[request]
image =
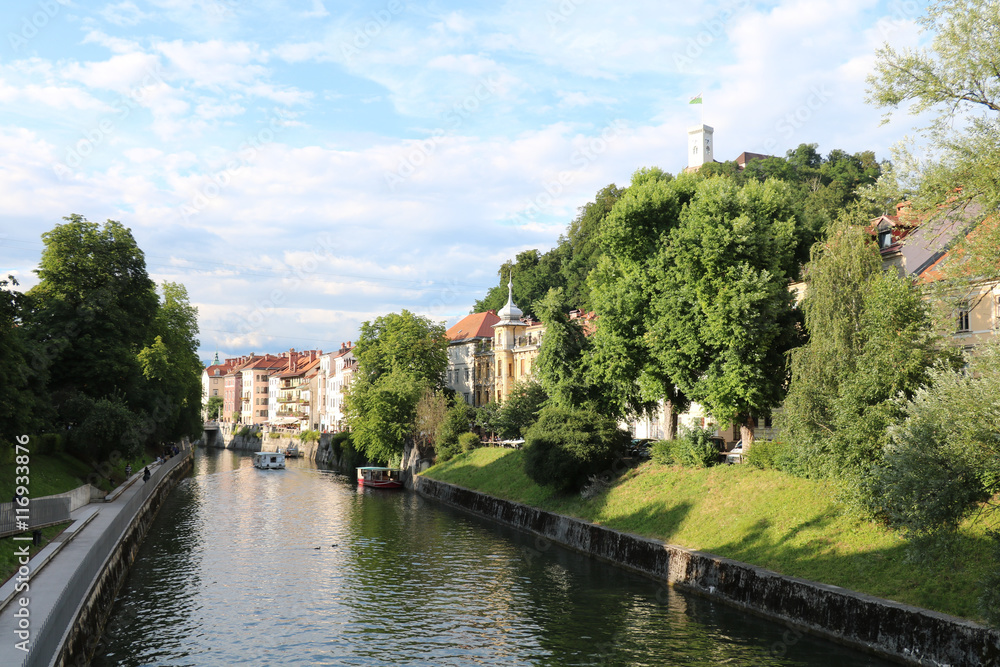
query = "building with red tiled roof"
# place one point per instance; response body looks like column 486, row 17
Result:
column 465, row 339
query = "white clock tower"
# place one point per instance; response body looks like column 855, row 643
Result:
column 699, row 145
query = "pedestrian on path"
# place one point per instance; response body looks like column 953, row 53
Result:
column 128, row 471
column 146, row 475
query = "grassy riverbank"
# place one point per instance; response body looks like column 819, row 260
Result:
column 783, row 523
column 59, row 472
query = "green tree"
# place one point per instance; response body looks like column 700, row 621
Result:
column 560, row 362
column 837, row 277
column 624, row 283
column 94, row 307
column 399, row 355
column 381, row 414
column 520, row 411
column 584, row 247
column 213, row 408
column 172, row 369
column 724, row 315
column 870, row 341
column 22, row 403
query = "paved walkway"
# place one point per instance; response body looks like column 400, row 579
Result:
column 52, row 569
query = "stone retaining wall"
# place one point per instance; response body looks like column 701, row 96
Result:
column 897, row 631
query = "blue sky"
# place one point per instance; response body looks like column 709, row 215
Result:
column 304, row 166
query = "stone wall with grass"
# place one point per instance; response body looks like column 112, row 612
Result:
column 890, row 629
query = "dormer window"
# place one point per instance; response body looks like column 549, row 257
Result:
column 885, row 238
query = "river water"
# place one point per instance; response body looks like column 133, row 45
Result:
column 300, row 567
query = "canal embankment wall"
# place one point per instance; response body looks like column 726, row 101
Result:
column 257, row 440
column 903, row 633
column 73, row 629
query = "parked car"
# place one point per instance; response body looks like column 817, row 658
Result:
column 639, row 448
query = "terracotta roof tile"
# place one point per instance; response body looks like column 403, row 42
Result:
column 477, row 325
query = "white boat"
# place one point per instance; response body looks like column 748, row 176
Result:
column 268, row 460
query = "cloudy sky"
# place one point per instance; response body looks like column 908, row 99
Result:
column 303, row 166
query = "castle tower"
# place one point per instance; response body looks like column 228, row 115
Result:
column 700, row 146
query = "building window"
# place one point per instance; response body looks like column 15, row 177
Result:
column 963, row 317
column 215, row 392
column 885, row 238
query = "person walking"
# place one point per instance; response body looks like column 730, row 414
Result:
column 146, row 475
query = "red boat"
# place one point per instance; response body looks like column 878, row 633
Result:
column 380, row 478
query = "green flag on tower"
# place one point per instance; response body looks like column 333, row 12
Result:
column 696, row 99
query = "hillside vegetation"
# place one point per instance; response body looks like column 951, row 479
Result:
column 784, row 523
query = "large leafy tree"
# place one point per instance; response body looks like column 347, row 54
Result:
column 94, row 309
column 122, row 367
column 624, row 283
column 724, row 316
column 400, row 356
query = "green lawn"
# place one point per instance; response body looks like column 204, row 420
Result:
column 9, row 547
column 50, row 474
column 787, row 524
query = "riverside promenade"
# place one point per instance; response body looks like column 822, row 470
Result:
column 62, row 575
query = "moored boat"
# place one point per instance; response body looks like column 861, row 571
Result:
column 269, row 460
column 380, row 478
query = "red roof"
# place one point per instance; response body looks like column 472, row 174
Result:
column 477, row 325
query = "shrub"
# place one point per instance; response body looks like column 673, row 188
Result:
column 243, row 432
column 566, row 446
column 764, row 454
column 457, row 421
column 309, row 436
column 695, row 448
column 468, row 441
column 662, row 452
column 109, row 428
column 47, row 443
column 273, row 436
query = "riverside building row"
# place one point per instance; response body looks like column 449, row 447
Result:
column 294, row 390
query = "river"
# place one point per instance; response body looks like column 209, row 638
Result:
column 300, row 567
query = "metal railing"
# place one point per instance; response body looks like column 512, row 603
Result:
column 49, row 640
column 36, row 514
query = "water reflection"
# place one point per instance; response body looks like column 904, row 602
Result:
column 246, row 566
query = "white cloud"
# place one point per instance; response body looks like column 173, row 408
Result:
column 124, row 14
